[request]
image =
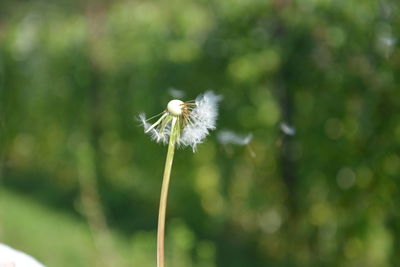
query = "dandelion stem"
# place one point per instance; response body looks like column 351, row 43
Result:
column 164, row 195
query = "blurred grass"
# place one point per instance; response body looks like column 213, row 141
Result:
column 53, row 237
column 59, row 239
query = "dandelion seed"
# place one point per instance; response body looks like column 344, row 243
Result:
column 176, row 93
column 229, row 137
column 287, row 129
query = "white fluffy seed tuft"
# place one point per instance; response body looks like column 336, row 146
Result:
column 230, row 137
column 158, row 136
column 202, row 119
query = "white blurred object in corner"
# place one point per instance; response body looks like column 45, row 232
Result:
column 10, row 257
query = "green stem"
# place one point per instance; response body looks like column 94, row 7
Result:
column 164, row 195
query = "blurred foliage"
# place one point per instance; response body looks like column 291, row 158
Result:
column 75, row 74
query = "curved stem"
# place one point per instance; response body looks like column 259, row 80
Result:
column 164, row 196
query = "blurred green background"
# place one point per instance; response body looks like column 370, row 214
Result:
column 80, row 181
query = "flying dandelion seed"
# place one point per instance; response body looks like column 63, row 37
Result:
column 229, row 137
column 226, row 137
column 287, row 129
column 176, row 93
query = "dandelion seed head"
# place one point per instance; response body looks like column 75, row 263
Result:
column 194, row 121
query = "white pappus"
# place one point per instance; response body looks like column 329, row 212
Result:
column 230, row 137
column 187, row 123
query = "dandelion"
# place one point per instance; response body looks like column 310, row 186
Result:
column 180, row 124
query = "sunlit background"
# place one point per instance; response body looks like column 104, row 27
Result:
column 316, row 82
